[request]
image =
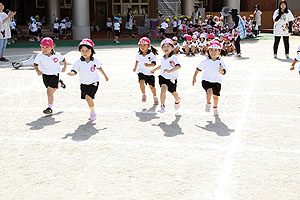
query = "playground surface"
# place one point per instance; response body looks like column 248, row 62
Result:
column 251, row 151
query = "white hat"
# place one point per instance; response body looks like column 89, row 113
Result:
column 174, row 38
column 166, row 41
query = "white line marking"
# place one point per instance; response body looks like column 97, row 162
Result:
column 235, row 144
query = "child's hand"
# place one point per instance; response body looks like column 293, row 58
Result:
column 71, row 74
column 64, row 69
column 39, row 73
column 152, row 71
column 147, row 65
column 167, row 71
column 106, row 78
column 220, row 69
column 134, row 69
column 194, row 81
column 292, row 68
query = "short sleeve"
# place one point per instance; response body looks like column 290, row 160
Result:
column 298, row 57
column 137, row 58
column 275, row 15
column 202, row 66
column 98, row 64
column 176, row 61
column 37, row 59
column 153, row 57
column 291, row 16
column 76, row 66
column 223, row 65
column 60, row 57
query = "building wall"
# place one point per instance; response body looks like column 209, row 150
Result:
column 267, row 5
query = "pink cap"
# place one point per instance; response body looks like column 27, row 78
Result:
column 144, row 40
column 188, row 37
column 211, row 36
column 226, row 37
column 167, row 41
column 87, row 42
column 214, row 45
column 47, row 42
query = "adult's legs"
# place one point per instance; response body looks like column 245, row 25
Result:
column 276, row 44
column 286, row 44
column 238, row 45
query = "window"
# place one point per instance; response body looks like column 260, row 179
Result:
column 139, row 7
column 65, row 3
column 40, row 3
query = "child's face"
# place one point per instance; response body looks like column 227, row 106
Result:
column 194, row 40
column 167, row 48
column 46, row 50
column 175, row 42
column 221, row 37
column 144, row 47
column 214, row 53
column 85, row 52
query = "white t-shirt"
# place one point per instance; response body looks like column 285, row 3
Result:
column 176, row 46
column 88, row 73
column 56, row 25
column 4, row 27
column 33, row 27
column 68, row 24
column 39, row 25
column 164, row 25
column 63, row 25
column 109, row 24
column 210, row 70
column 49, row 65
column 258, row 17
column 202, row 44
column 169, row 64
column 192, row 44
column 174, row 24
column 13, row 25
column 149, row 58
column 280, row 25
column 116, row 26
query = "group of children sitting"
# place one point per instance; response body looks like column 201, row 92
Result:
column 296, row 26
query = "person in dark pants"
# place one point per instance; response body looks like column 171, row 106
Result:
column 283, row 21
column 239, row 30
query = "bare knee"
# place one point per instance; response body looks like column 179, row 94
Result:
column 142, row 82
column 164, row 88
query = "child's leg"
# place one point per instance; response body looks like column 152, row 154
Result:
column 142, row 86
column 216, row 101
column 187, row 49
column 208, row 95
column 50, row 92
column 153, row 90
column 193, row 49
column 90, row 103
column 175, row 95
column 164, row 88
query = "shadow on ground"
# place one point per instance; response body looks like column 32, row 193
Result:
column 171, row 130
column 147, row 115
column 84, row 132
column 40, row 123
column 219, row 127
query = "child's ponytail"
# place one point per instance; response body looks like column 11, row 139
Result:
column 153, row 50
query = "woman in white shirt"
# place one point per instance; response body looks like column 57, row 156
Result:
column 5, row 30
column 283, row 20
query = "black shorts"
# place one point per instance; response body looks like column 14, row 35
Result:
column 68, row 29
column 216, row 87
column 109, row 29
column 39, row 31
column 171, row 86
column 34, row 33
column 175, row 29
column 51, row 80
column 63, row 30
column 55, row 30
column 89, row 90
column 149, row 79
column 14, row 32
column 117, row 33
column 162, row 30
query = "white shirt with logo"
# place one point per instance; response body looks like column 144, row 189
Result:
column 210, row 70
column 49, row 65
column 56, row 25
column 169, row 64
column 116, row 26
column 164, row 25
column 109, row 24
column 149, row 58
column 63, row 25
column 88, row 72
column 4, row 27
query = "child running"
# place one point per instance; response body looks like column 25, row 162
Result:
column 145, row 62
column 47, row 64
column 297, row 59
column 168, row 73
column 89, row 78
column 213, row 68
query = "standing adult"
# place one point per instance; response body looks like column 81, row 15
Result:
column 283, row 21
column 129, row 22
column 257, row 16
column 5, row 30
column 196, row 14
column 238, row 29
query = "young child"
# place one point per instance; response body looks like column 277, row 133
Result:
column 145, row 62
column 176, row 45
column 87, row 67
column 228, row 46
column 195, row 44
column 109, row 27
column 168, row 73
column 56, row 29
column 188, row 46
column 202, row 44
column 33, row 30
column 39, row 27
column 69, row 26
column 117, row 30
column 213, row 68
column 175, row 26
column 14, row 31
column 163, row 27
column 47, row 64
column 297, row 59
column 63, row 27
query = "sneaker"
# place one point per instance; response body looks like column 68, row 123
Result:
column 275, row 55
column 93, row 116
column 162, row 109
column 239, row 55
column 3, row 59
column 207, row 107
column 156, row 102
column 193, row 54
column 287, row 56
column 216, row 112
column 177, row 105
column 48, row 111
column 118, row 42
column 62, row 84
column 144, row 98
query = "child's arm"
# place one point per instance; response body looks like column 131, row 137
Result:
column 177, row 67
column 37, row 69
column 195, row 75
column 222, row 71
column 102, row 72
column 155, row 69
column 153, row 63
column 65, row 65
column 72, row 73
column 136, row 65
column 293, row 64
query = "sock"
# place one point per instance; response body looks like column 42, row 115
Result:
column 209, row 103
column 59, row 85
column 154, row 97
column 215, row 106
column 50, row 105
column 92, row 108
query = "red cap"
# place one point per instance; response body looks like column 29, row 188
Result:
column 214, row 45
column 188, row 37
column 87, row 42
column 211, row 36
column 47, row 42
column 144, row 40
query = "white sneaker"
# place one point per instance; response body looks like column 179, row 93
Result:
column 287, row 56
column 275, row 55
column 216, row 112
column 207, row 107
column 162, row 109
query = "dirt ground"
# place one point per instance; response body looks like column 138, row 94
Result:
column 133, row 152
